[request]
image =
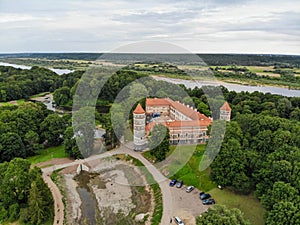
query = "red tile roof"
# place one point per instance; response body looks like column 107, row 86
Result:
column 187, row 111
column 157, row 101
column 225, row 107
column 139, row 109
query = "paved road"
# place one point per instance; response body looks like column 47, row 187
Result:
column 159, row 178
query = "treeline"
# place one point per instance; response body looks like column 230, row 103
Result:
column 24, row 196
column 27, row 128
column 209, row 59
column 21, row 84
column 245, row 102
column 287, row 77
column 261, row 153
column 250, row 60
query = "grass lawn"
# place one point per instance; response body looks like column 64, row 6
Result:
column 18, row 102
column 40, row 95
column 190, row 174
column 47, row 154
column 248, row 204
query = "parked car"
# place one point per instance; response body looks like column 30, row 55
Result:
column 209, row 201
column 189, row 189
column 204, row 196
column 178, row 221
column 179, row 184
column 173, row 182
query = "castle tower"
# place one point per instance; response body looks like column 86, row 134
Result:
column 225, row 112
column 139, row 123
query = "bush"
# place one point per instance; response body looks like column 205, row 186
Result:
column 24, row 215
column 14, row 212
column 3, row 214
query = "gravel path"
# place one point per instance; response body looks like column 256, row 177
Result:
column 58, row 203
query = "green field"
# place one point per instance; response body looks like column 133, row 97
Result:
column 191, row 175
column 47, row 154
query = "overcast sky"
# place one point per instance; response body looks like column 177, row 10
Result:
column 202, row 26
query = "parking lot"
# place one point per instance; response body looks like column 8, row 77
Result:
column 187, row 205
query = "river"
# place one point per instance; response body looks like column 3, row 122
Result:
column 233, row 87
column 193, row 83
column 58, row 71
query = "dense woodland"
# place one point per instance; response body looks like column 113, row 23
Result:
column 23, row 194
column 260, row 152
column 21, row 84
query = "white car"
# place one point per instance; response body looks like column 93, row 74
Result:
column 178, row 221
column 189, row 189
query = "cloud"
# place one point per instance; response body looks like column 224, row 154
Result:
column 198, row 25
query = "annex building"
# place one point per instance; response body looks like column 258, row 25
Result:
column 186, row 124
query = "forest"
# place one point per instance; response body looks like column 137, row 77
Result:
column 21, row 84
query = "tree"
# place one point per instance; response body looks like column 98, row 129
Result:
column 203, row 108
column 31, row 141
column 159, row 142
column 284, row 213
column 39, row 204
column 219, row 214
column 71, row 147
column 16, row 182
column 61, row 96
column 228, row 168
column 280, row 192
column 52, row 129
column 11, row 146
column 23, row 193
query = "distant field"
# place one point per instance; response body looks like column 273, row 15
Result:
column 47, row 154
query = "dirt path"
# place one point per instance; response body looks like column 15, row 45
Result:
column 169, row 205
column 57, row 197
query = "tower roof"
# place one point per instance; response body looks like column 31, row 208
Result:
column 225, row 107
column 139, row 109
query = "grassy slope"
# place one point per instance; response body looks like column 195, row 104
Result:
column 44, row 155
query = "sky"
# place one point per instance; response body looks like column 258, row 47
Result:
column 198, row 26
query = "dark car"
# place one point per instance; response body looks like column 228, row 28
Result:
column 173, row 182
column 209, row 201
column 204, row 196
column 179, row 184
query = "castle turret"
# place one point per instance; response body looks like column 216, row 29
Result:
column 225, row 112
column 139, row 123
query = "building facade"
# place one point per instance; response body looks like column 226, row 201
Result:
column 186, row 124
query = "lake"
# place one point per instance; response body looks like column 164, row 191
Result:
column 58, row 71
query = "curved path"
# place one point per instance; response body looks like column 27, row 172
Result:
column 124, row 149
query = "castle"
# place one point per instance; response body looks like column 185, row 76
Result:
column 186, row 125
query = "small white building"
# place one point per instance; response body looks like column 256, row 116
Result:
column 225, row 112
